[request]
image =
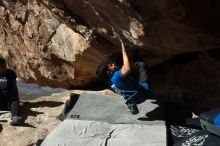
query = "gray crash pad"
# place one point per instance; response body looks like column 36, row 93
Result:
column 101, row 120
column 94, row 133
column 113, row 110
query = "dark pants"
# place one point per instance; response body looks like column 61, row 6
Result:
column 10, row 103
column 140, row 74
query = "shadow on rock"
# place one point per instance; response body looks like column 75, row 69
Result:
column 3, row 121
column 69, row 104
column 26, row 109
column 39, row 142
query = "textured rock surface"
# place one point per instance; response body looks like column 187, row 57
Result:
column 40, row 118
column 60, row 43
column 190, row 81
column 42, row 49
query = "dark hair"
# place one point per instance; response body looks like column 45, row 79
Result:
column 102, row 69
column 2, row 61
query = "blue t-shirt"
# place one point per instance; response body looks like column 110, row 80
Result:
column 217, row 120
column 5, row 78
column 127, row 87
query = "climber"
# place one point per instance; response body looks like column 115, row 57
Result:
column 9, row 97
column 120, row 80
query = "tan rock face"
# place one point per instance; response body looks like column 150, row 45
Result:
column 42, row 49
column 60, row 43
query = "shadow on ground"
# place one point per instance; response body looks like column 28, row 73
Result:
column 27, row 111
column 155, row 114
column 175, row 115
column 39, row 142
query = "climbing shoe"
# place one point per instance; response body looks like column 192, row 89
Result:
column 16, row 120
column 133, row 108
